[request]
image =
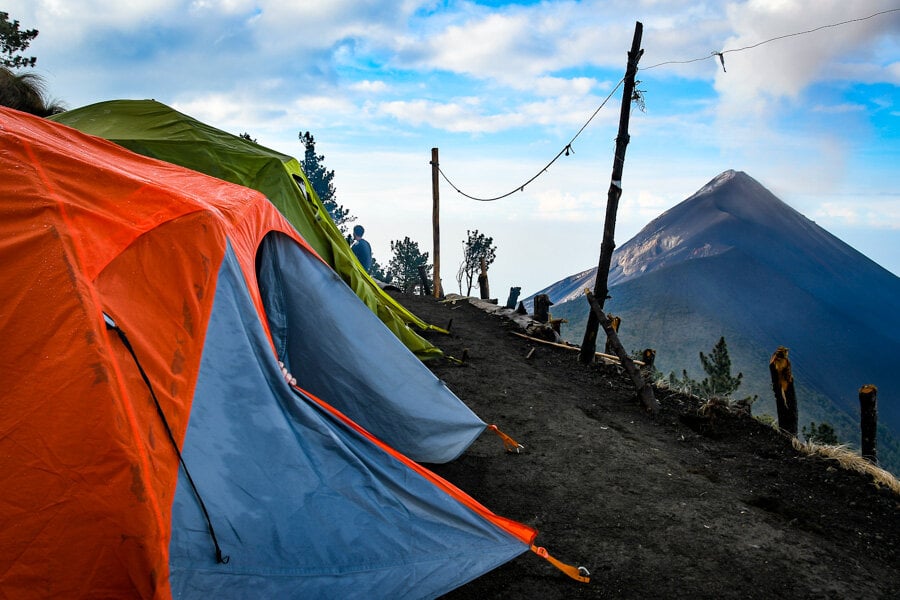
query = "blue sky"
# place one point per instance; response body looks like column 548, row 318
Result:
column 500, row 88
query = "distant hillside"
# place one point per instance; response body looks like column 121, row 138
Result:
column 734, row 260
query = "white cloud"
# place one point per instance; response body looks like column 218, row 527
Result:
column 370, row 87
column 224, row 6
column 559, row 205
column 501, row 89
column 858, row 213
column 758, row 78
column 451, row 116
column 893, row 70
column 845, row 107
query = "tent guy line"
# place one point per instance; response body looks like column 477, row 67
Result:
column 113, row 326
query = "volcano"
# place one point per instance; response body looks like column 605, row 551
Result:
column 734, row 261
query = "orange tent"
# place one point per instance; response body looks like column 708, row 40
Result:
column 150, row 444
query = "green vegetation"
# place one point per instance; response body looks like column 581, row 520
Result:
column 13, row 41
column 379, row 273
column 320, row 179
column 405, row 262
column 21, row 91
column 767, row 419
column 476, row 247
column 718, row 383
column 822, row 433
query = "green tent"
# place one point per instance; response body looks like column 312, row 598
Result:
column 156, row 130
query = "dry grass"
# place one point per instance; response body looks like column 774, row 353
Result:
column 848, row 459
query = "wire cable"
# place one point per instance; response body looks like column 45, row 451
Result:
column 567, row 149
column 774, row 39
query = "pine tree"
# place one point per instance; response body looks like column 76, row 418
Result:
column 823, row 434
column 379, row 273
column 321, row 181
column 717, row 366
column 405, row 262
column 12, row 41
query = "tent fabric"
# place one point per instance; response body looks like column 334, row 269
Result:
column 156, row 130
column 92, row 500
column 323, row 366
column 391, row 548
column 396, row 403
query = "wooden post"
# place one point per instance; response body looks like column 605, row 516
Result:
column 423, row 278
column 783, row 387
column 513, row 297
column 589, row 344
column 868, row 414
column 436, row 221
column 484, row 287
column 644, row 389
column 542, row 306
column 615, row 322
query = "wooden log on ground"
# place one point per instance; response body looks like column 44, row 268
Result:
column 644, row 390
column 530, row 338
column 868, row 415
column 783, row 388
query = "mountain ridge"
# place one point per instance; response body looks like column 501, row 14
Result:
column 737, row 261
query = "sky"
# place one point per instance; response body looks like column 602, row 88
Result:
column 500, row 88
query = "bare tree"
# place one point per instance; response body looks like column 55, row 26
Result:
column 476, row 247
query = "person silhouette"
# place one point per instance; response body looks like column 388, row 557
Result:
column 361, row 248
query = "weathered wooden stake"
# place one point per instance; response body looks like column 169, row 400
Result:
column 644, row 389
column 436, row 221
column 868, row 413
column 542, row 306
column 589, row 344
column 483, row 286
column 783, row 387
column 615, row 322
column 423, row 278
column 513, row 297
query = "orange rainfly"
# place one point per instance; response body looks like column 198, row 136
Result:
column 97, row 489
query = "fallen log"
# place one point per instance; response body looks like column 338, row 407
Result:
column 568, row 347
column 644, row 390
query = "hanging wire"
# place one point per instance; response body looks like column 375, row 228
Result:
column 776, row 38
column 567, row 149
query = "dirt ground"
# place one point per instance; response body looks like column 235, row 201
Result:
column 672, row 506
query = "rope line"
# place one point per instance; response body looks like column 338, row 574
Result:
column 567, row 149
column 774, row 39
